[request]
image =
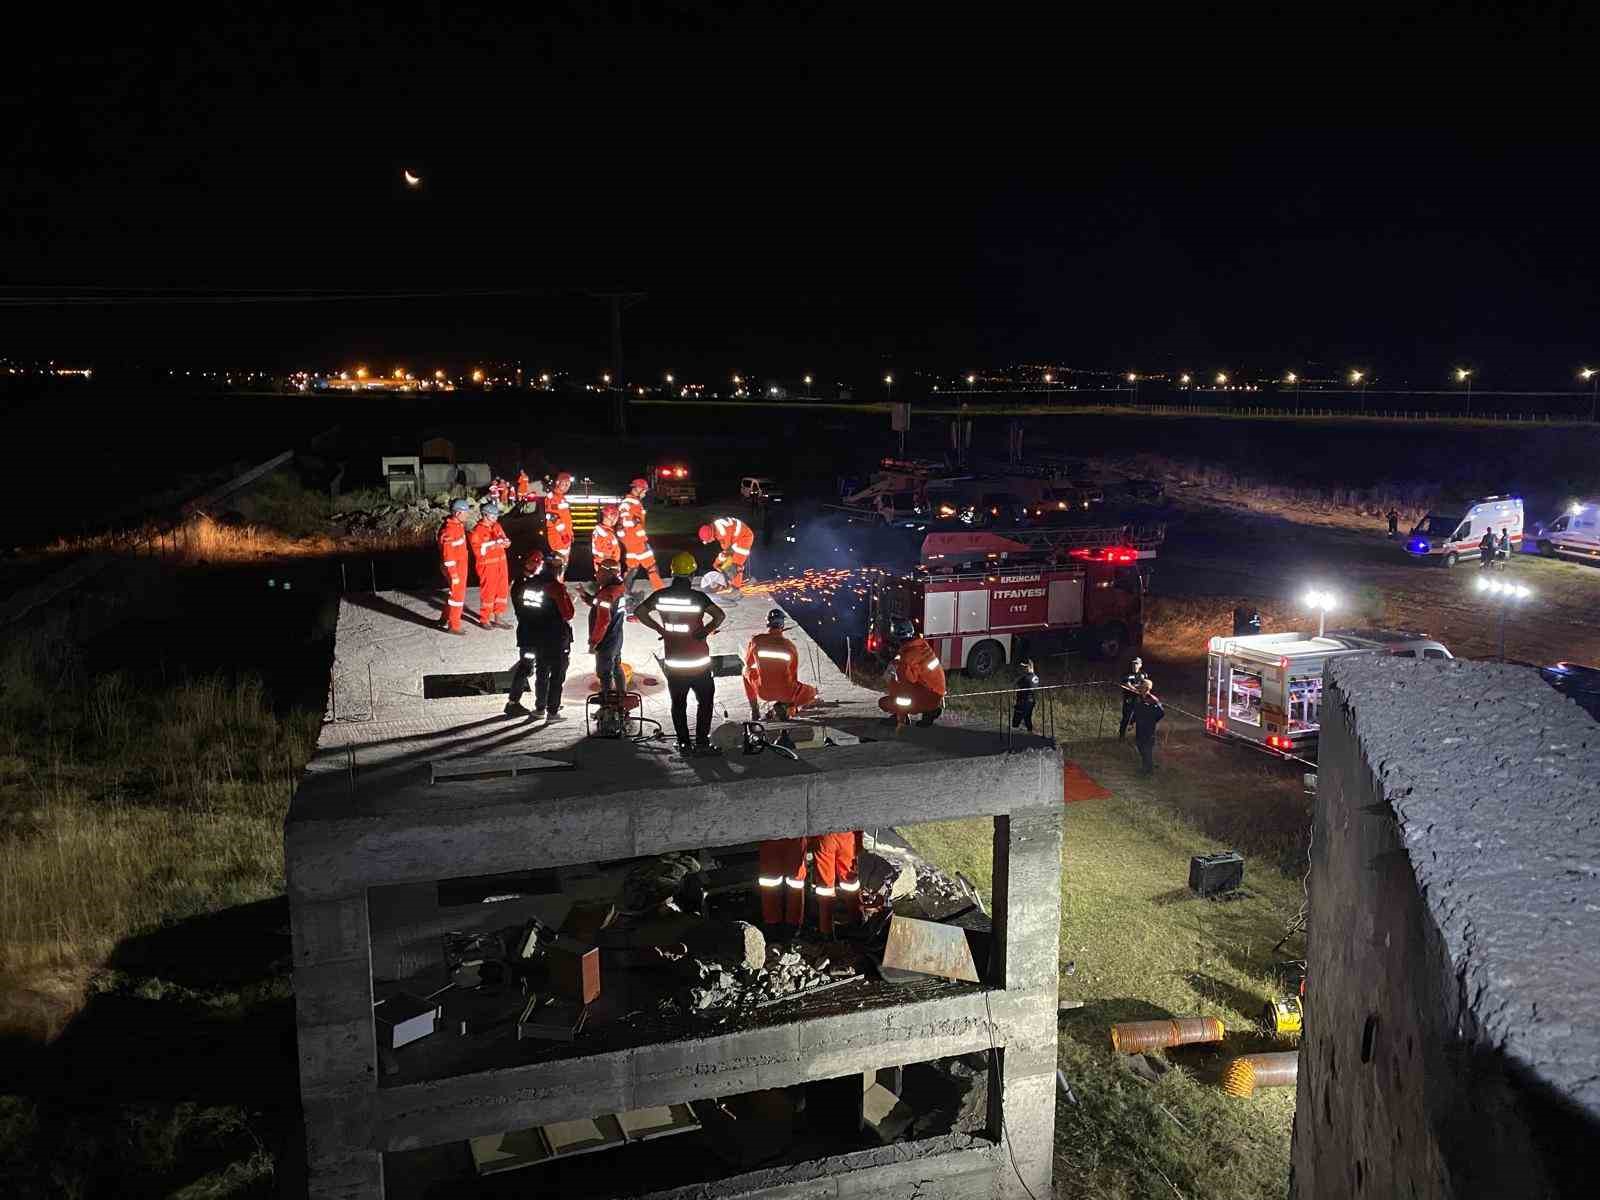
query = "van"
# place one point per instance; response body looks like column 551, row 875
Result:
column 1266, row 689
column 1454, row 531
column 1574, row 534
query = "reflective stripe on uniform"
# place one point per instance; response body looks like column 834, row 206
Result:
column 740, row 552
column 769, row 881
column 677, row 605
column 797, row 884
column 931, row 663
column 457, row 542
column 783, row 654
column 903, row 701
column 677, row 627
column 529, row 655
column 632, row 557
column 852, row 886
column 602, row 604
column 824, row 892
column 685, row 664
column 457, row 603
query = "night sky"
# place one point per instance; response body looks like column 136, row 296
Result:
column 810, row 189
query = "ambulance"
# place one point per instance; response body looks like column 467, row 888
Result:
column 1455, row 530
column 1574, row 534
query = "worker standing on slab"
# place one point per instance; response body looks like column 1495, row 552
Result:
column 1130, row 693
column 608, row 607
column 781, row 880
column 524, row 486
column 637, row 554
column 488, row 542
column 916, row 678
column 558, row 517
column 772, row 671
column 453, row 565
column 685, row 617
column 544, row 637
column 1147, row 714
column 736, row 539
column 603, row 540
column 838, row 886
column 1027, row 686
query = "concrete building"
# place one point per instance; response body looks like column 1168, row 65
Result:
column 1452, row 1046
column 415, row 784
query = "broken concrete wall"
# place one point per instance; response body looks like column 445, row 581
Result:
column 1453, row 1039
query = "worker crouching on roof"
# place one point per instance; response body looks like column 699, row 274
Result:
column 637, row 555
column 453, row 565
column 916, row 679
column 544, row 636
column 488, row 542
column 772, row 671
column 685, row 617
column 736, row 540
column 608, row 607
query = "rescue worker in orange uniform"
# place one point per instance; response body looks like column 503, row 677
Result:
column 524, row 485
column 603, row 540
column 772, row 671
column 781, row 880
column 838, row 886
column 488, row 542
column 916, row 680
column 736, row 539
column 558, row 517
column 637, row 554
column 607, row 608
column 453, row 566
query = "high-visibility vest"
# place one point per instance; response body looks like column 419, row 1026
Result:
column 917, row 663
column 682, row 613
column 771, row 661
column 734, row 536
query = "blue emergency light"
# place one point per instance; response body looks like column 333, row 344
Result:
column 1418, row 546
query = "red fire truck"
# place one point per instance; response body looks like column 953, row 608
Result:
column 672, row 485
column 978, row 597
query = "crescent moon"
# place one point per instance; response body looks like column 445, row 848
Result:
column 411, row 179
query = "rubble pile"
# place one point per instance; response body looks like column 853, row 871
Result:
column 392, row 520
column 788, row 972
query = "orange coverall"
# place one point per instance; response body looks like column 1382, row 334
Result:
column 524, row 486
column 603, row 544
column 488, row 541
column 453, row 565
column 635, row 543
column 558, row 522
column 736, row 539
column 771, row 672
column 781, row 876
column 838, row 887
column 918, row 685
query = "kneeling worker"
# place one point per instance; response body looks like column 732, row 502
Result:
column 685, row 617
column 544, row 636
column 771, row 671
column 916, row 680
column 736, row 540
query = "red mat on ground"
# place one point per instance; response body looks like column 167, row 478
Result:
column 1076, row 785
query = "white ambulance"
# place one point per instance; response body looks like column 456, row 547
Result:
column 1574, row 534
column 1266, row 689
column 1454, row 531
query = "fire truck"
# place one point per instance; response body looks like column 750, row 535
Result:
column 672, row 485
column 980, row 597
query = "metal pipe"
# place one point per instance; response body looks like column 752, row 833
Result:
column 1245, row 1074
column 1133, row 1037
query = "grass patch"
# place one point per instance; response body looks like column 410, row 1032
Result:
column 1135, row 944
column 133, row 818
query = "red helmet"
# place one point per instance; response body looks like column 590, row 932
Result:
column 707, row 534
column 641, row 483
column 609, row 512
column 564, row 478
column 533, row 562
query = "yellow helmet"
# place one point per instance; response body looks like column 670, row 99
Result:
column 683, row 563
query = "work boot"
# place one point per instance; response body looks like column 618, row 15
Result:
column 755, row 711
column 552, row 716
column 501, row 623
column 928, row 718
column 685, row 748
column 780, row 711
column 705, row 749
column 457, row 632
column 513, row 709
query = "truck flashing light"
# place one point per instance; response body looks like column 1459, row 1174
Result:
column 1279, row 743
column 1418, row 546
column 1111, row 554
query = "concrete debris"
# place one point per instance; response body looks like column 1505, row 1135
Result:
column 651, row 884
column 786, row 974
column 391, row 520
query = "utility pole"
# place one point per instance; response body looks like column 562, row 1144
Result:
column 619, row 375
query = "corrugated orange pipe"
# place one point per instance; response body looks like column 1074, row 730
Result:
column 1135, row 1037
column 1248, row 1072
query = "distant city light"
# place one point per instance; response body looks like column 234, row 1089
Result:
column 545, row 379
column 772, row 391
column 1355, row 377
column 477, row 375
column 361, row 372
column 1462, row 374
column 1291, row 377
column 1184, row 378
column 1049, row 377
column 971, row 379
column 1586, row 374
column 1222, row 378
column 889, row 379
column 399, row 372
column 605, row 377
column 669, row 376
column 808, row 381
column 438, row 375
column 737, row 381
column 1132, row 378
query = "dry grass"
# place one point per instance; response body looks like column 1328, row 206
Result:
column 122, row 808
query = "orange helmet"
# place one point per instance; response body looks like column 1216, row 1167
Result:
column 707, row 534
column 610, row 512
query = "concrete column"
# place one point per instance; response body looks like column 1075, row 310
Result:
column 337, row 1049
column 1027, row 924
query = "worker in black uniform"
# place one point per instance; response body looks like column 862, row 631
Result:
column 1246, row 621
column 544, row 636
column 1505, row 547
column 1147, row 714
column 1486, row 549
column 685, row 617
column 1394, row 523
column 1131, row 683
column 1026, row 685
